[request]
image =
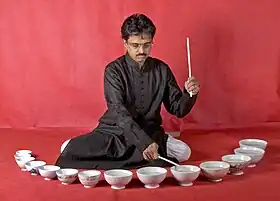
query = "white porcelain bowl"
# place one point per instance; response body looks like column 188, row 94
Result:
column 48, row 171
column 32, row 166
column 256, row 154
column 151, row 177
column 214, row 170
column 258, row 143
column 22, row 160
column 185, row 174
column 23, row 152
column 67, row 175
column 118, row 178
column 237, row 163
column 89, row 178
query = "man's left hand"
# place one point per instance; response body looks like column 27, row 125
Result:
column 192, row 85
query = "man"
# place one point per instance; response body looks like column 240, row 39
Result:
column 129, row 134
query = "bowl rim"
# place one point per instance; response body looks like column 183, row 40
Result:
column 201, row 165
column 54, row 166
column 253, row 140
column 29, row 163
column 82, row 173
column 197, row 168
column 259, row 150
column 237, row 155
column 23, row 150
column 164, row 171
column 128, row 172
column 60, row 171
column 20, row 158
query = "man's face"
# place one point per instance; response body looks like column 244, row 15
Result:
column 139, row 47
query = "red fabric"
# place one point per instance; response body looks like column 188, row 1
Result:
column 258, row 184
column 53, row 53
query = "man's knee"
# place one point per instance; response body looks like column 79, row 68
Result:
column 185, row 153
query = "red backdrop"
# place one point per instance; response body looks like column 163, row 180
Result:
column 53, row 53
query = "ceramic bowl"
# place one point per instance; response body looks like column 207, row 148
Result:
column 185, row 174
column 118, row 178
column 214, row 170
column 89, row 178
column 237, row 163
column 23, row 152
column 48, row 171
column 32, row 166
column 151, row 177
column 67, row 175
column 256, row 154
column 22, row 160
column 261, row 144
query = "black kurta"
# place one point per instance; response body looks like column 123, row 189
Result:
column 132, row 120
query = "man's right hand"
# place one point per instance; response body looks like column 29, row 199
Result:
column 151, row 152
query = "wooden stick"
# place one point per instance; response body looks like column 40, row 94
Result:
column 189, row 60
column 169, row 161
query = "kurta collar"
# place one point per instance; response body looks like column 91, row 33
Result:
column 135, row 65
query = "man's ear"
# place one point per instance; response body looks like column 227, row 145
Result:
column 125, row 43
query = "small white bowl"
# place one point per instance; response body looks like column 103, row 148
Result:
column 151, row 177
column 237, row 163
column 258, row 143
column 185, row 174
column 89, row 178
column 67, row 175
column 256, row 154
column 32, row 166
column 118, row 178
column 22, row 160
column 48, row 171
column 214, row 170
column 23, row 152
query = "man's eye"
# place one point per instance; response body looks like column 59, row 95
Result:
column 135, row 45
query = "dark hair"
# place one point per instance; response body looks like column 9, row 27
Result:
column 137, row 24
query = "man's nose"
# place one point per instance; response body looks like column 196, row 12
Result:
column 141, row 49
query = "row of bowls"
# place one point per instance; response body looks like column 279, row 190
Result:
column 249, row 154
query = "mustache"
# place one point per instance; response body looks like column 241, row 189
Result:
column 141, row 54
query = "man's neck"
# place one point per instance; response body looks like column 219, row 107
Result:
column 140, row 65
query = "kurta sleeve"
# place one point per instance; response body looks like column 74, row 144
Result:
column 176, row 102
column 114, row 90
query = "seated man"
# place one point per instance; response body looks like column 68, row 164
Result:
column 129, row 134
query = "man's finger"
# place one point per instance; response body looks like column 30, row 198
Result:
column 192, row 88
column 155, row 155
column 149, row 155
column 191, row 78
column 189, row 86
column 144, row 156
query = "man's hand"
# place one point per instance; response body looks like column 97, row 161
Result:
column 151, row 152
column 192, row 85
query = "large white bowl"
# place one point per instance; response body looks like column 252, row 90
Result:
column 22, row 160
column 89, row 178
column 237, row 163
column 214, row 170
column 151, row 177
column 258, row 143
column 32, row 166
column 118, row 178
column 48, row 171
column 67, row 175
column 256, row 154
column 23, row 152
column 185, row 174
